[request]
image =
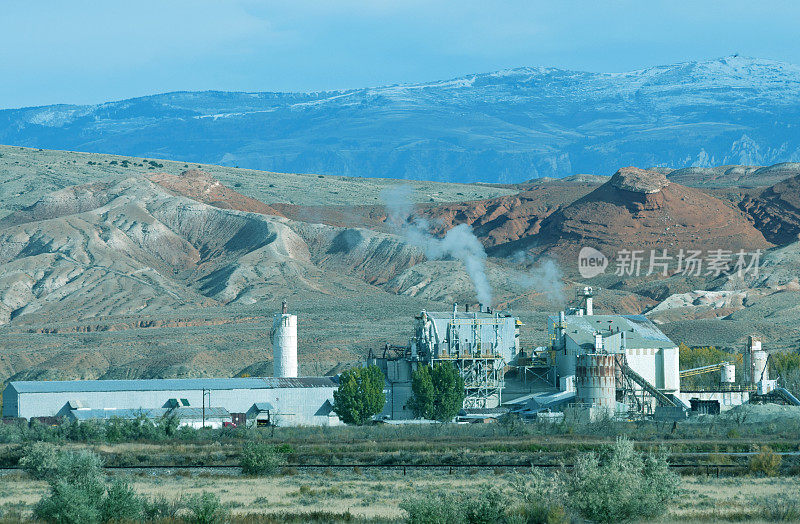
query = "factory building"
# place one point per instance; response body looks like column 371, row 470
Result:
column 296, row 401
column 624, row 366
column 595, row 366
column 479, row 343
column 282, row 400
column 633, row 338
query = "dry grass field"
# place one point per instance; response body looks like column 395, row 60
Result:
column 378, row 493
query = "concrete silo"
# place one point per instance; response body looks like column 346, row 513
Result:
column 755, row 362
column 595, row 382
column 284, row 344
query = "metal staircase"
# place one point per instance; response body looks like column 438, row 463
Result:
column 660, row 397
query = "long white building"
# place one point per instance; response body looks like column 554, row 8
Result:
column 305, row 401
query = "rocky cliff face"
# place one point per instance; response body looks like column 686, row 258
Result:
column 776, row 211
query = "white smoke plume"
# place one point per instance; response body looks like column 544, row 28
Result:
column 459, row 243
column 545, row 277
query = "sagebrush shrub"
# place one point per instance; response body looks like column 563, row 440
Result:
column 539, row 499
column 260, row 459
column 121, row 503
column 766, row 462
column 162, row 508
column 780, row 508
column 206, row 508
column 436, row 509
column 76, row 489
column 624, row 486
column 67, row 504
column 39, row 460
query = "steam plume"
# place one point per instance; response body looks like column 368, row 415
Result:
column 459, row 243
column 545, row 277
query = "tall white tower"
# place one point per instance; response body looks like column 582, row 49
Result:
column 284, row 344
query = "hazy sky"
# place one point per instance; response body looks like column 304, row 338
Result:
column 92, row 51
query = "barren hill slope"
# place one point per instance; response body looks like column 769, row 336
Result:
column 139, row 272
column 140, row 277
column 776, row 211
column 640, row 209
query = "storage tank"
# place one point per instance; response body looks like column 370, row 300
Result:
column 284, row 344
column 594, row 381
column 760, row 366
column 727, row 374
column 755, row 362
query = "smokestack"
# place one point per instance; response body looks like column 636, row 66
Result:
column 284, row 343
column 480, row 308
column 466, row 308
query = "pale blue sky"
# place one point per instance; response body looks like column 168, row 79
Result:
column 94, row 51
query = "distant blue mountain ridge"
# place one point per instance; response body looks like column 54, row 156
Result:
column 507, row 126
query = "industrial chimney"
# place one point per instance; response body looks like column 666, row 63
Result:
column 284, row 343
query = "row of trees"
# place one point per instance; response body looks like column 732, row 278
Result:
column 437, row 393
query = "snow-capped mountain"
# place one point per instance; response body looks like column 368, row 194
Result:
column 506, row 126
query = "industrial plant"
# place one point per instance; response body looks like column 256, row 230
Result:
column 594, row 367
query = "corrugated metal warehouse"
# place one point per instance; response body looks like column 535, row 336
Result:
column 296, row 401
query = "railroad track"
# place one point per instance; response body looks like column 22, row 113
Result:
column 451, row 468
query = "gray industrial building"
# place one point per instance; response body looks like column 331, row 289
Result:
column 479, row 344
column 294, row 401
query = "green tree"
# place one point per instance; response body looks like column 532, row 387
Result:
column 437, row 392
column 705, row 356
column 360, row 395
column 786, row 365
column 421, row 401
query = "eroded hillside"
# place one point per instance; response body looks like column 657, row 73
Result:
column 171, row 271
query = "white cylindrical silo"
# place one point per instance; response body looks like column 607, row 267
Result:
column 728, row 374
column 760, row 372
column 594, row 381
column 284, row 344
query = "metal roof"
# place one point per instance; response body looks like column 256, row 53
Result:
column 640, row 332
column 170, row 384
column 262, row 406
column 464, row 315
column 489, row 412
column 544, row 401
